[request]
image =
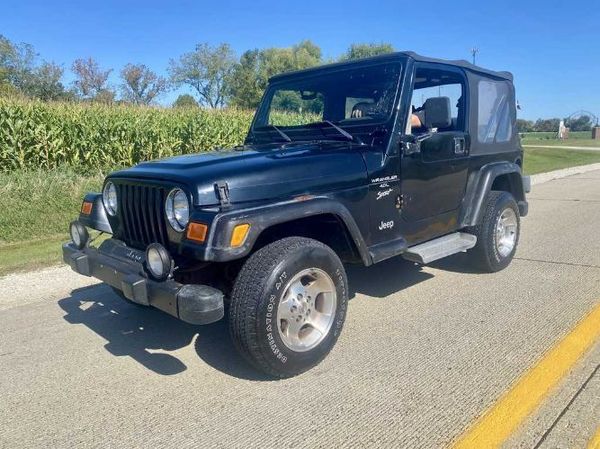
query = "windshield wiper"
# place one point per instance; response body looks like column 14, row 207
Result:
column 281, row 133
column 342, row 131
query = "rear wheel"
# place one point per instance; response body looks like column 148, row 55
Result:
column 288, row 306
column 498, row 232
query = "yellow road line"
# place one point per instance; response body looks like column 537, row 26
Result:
column 595, row 441
column 498, row 423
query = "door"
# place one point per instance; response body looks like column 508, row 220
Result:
column 434, row 179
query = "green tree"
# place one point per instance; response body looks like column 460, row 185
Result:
column 306, row 54
column 280, row 60
column 581, row 123
column 6, row 51
column 140, row 84
column 246, row 86
column 106, row 96
column 185, row 101
column 19, row 69
column 91, row 82
column 45, row 83
column 546, row 125
column 207, row 71
column 358, row 51
column 252, row 73
column 524, row 126
column 16, row 62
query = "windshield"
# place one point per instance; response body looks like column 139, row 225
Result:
column 320, row 106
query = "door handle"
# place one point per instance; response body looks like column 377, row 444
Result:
column 460, row 146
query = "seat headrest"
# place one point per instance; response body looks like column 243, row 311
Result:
column 362, row 109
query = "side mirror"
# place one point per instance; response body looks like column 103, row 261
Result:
column 437, row 112
column 411, row 144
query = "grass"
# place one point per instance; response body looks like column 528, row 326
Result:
column 540, row 160
column 576, row 135
column 576, row 139
column 29, row 255
column 38, row 253
column 35, row 210
column 40, row 203
column 37, row 206
column 559, row 143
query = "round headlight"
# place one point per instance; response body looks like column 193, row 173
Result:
column 79, row 234
column 158, row 261
column 177, row 209
column 109, row 198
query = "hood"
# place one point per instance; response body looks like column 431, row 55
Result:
column 259, row 172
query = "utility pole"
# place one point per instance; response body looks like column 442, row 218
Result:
column 474, row 52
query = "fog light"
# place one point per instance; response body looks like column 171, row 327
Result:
column 158, row 261
column 79, row 234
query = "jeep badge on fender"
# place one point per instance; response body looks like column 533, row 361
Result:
column 353, row 162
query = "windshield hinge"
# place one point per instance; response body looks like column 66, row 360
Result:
column 399, row 202
column 222, row 191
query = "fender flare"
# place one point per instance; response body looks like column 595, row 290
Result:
column 263, row 217
column 480, row 184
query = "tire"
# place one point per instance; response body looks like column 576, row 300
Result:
column 489, row 254
column 262, row 304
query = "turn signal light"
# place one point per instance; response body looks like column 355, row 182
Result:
column 86, row 208
column 238, row 236
column 197, row 232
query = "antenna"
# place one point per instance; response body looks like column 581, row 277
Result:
column 474, row 52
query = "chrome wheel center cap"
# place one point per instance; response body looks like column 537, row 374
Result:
column 299, row 306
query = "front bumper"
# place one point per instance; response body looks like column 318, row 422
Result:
column 121, row 267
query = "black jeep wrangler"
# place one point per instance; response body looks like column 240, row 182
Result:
column 355, row 162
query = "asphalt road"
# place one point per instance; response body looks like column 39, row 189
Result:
column 425, row 351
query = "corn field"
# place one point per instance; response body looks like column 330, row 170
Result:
column 92, row 137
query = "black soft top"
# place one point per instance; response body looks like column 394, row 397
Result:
column 400, row 55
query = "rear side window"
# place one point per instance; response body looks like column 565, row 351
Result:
column 494, row 123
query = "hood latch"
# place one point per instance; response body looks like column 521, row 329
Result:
column 222, row 192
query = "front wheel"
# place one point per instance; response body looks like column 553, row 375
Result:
column 498, row 232
column 288, row 306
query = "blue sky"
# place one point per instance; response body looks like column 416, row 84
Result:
column 553, row 48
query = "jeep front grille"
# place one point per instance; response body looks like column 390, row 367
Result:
column 141, row 210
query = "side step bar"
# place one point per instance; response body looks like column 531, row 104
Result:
column 440, row 247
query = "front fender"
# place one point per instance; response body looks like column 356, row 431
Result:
column 260, row 218
column 97, row 218
column 480, row 184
